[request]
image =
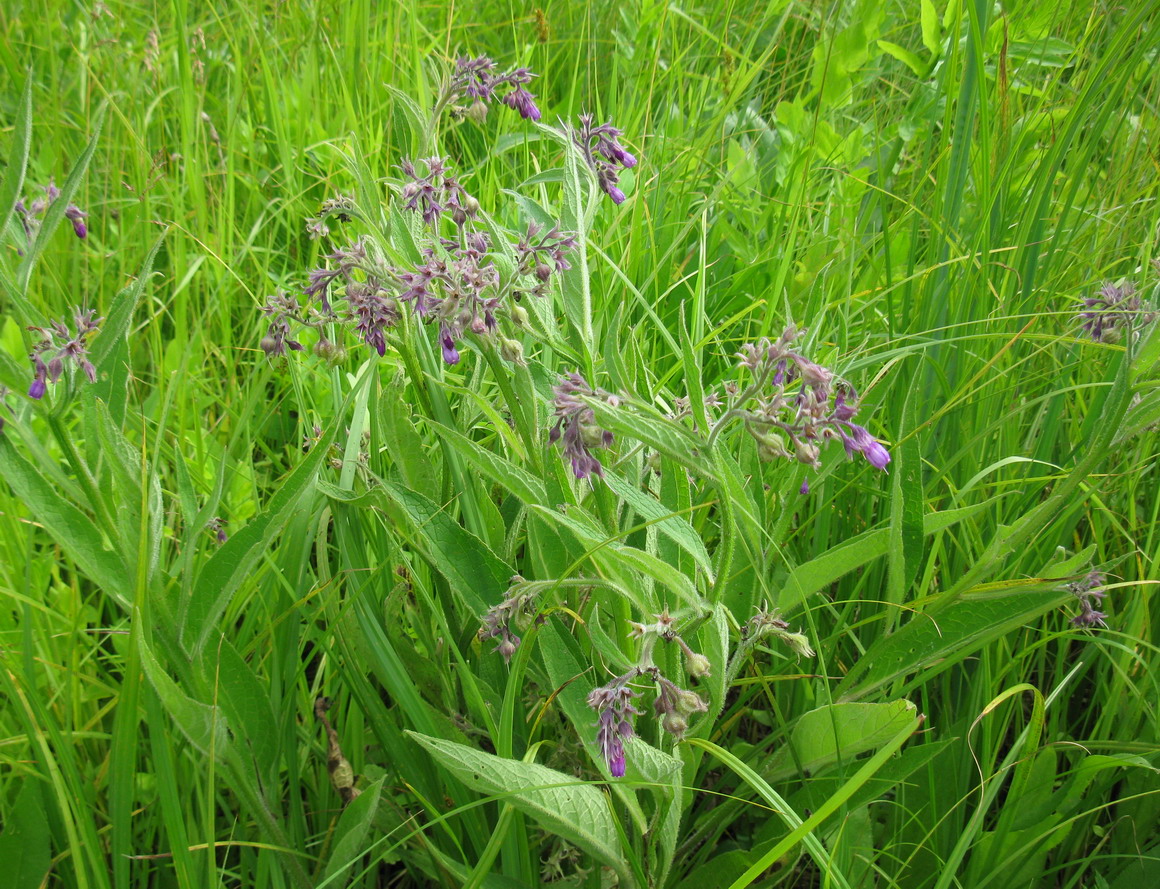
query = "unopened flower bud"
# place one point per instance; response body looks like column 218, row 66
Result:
column 511, row 351
column 519, row 316
column 324, row 349
column 478, row 327
column 269, row 345
column 690, row 702
column 798, row 644
column 471, row 205
column 806, row 452
column 458, row 215
column 543, row 271
column 697, row 665
column 675, row 724
column 592, row 435
column 771, row 446
column 508, row 647
column 478, row 111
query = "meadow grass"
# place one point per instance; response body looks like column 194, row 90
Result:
column 928, row 190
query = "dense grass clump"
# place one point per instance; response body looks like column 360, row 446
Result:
column 640, row 445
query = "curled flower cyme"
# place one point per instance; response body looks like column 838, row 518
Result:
column 478, row 79
column 1116, row 308
column 576, row 425
column 59, row 347
column 600, row 146
column 615, row 712
column 795, row 406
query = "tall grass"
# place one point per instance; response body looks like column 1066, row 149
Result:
column 928, row 190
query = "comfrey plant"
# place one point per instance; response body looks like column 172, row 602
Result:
column 1089, row 590
column 31, row 213
column 60, row 348
column 1115, row 310
column 463, row 303
column 793, row 406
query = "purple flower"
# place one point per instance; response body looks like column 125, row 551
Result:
column 576, row 425
column 77, row 216
column 1115, row 309
column 604, row 157
column 450, row 353
column 523, row 102
column 476, row 79
column 64, row 347
column 278, row 309
column 31, row 214
column 805, row 488
column 802, row 401
column 613, row 703
column 1089, row 590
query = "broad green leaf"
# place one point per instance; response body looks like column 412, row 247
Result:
column 675, row 527
column 802, row 830
column 55, row 212
column 496, row 468
column 662, row 772
column 664, row 436
column 225, row 570
column 837, row 731
column 609, row 552
column 67, row 524
column 402, row 440
column 244, row 700
column 561, row 804
column 572, row 680
column 17, row 159
column 110, row 348
column 203, row 725
column 473, row 570
column 947, row 630
column 931, row 35
column 25, row 844
column 350, row 835
column 906, row 507
column 907, row 57
column 817, row 574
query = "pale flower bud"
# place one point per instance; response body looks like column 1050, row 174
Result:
column 697, row 665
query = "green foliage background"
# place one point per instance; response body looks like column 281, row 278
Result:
column 930, row 189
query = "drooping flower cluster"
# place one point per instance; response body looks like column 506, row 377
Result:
column 672, row 705
column 613, row 704
column 1089, row 591
column 1115, row 309
column 478, row 79
column 59, row 347
column 770, row 623
column 32, row 213
column 601, row 148
column 280, row 308
column 576, row 424
column 457, row 287
column 340, row 208
column 500, row 620
column 542, row 255
column 436, row 193
column 799, row 406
